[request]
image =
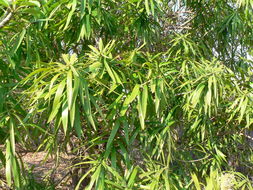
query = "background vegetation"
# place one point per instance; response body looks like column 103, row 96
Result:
column 146, row 94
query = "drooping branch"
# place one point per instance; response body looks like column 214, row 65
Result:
column 6, row 18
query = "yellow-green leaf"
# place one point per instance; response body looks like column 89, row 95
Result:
column 129, row 99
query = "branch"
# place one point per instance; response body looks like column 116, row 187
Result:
column 6, row 19
column 247, row 136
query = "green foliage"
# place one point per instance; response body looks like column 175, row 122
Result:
column 150, row 94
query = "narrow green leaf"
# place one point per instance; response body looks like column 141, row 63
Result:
column 94, row 177
column 12, row 167
column 208, row 97
column 74, row 2
column 16, row 172
column 95, row 50
column 28, row 77
column 125, row 154
column 18, row 41
column 141, row 117
column 73, row 59
column 4, row 3
column 100, row 185
column 56, row 104
column 243, row 107
column 75, row 94
column 152, row 6
column 77, row 123
column 147, row 7
column 69, row 89
column 167, row 183
column 50, row 90
column 51, row 15
column 114, row 172
column 197, row 94
column 118, row 81
column 144, row 100
column 111, row 138
column 126, row 131
column 64, row 116
column 30, row 3
column 82, row 178
column 215, row 89
column 158, row 95
column 196, row 181
column 83, row 6
column 129, row 99
column 66, row 58
column 114, row 158
column 110, row 72
column 87, row 105
column 114, row 184
column 101, row 45
column 89, row 5
column 132, row 177
column 8, row 165
column 72, row 114
column 12, row 134
column 88, row 26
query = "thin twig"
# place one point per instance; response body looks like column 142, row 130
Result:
column 197, row 160
column 58, row 183
column 7, row 17
column 247, row 136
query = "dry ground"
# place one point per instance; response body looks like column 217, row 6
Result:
column 47, row 170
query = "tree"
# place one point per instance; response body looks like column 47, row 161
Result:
column 150, row 94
